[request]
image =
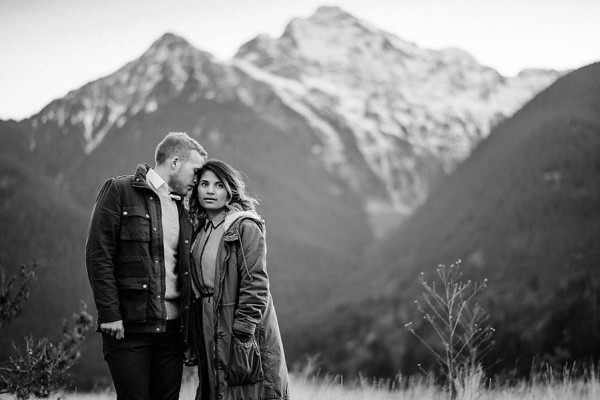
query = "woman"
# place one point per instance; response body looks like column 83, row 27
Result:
column 230, row 319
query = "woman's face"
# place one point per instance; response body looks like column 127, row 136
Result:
column 212, row 194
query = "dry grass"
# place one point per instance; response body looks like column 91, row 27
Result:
column 303, row 387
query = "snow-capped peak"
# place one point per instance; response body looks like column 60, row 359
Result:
column 110, row 101
column 404, row 105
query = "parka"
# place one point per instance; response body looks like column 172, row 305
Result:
column 243, row 305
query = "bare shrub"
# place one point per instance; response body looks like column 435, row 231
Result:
column 42, row 367
column 14, row 291
column 461, row 334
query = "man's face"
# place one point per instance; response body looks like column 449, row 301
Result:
column 184, row 177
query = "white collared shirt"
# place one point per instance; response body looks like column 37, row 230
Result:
column 154, row 179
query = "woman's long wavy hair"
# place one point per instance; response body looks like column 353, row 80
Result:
column 234, row 184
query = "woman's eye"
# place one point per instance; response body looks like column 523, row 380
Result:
column 220, row 186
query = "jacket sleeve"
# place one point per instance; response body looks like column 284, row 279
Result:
column 253, row 279
column 101, row 250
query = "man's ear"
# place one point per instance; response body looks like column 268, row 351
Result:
column 175, row 161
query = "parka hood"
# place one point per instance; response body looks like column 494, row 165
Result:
column 233, row 220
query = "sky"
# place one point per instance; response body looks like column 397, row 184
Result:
column 50, row 47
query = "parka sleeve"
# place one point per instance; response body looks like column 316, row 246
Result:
column 253, row 279
column 101, row 250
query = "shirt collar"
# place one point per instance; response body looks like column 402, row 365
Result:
column 155, row 180
column 216, row 221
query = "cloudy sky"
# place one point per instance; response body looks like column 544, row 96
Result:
column 49, row 47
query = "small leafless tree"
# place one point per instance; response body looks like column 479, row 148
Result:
column 459, row 324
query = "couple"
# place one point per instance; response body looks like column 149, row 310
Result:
column 174, row 287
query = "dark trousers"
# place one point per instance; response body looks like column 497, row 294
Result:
column 146, row 366
column 203, row 392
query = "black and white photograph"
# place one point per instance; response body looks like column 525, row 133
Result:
column 260, row 200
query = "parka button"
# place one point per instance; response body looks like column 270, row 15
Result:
column 151, row 198
column 187, row 241
column 144, row 286
column 185, row 273
column 147, row 216
column 124, row 212
column 154, row 229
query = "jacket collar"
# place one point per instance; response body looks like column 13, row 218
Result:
column 139, row 178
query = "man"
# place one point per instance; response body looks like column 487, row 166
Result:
column 137, row 246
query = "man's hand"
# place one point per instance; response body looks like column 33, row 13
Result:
column 114, row 329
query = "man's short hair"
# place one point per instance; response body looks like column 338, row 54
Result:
column 177, row 144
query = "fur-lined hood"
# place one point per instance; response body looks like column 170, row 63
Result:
column 234, row 218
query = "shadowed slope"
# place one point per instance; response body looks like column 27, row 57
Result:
column 522, row 212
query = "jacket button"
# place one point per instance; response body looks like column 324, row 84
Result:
column 147, row 216
column 187, row 241
column 144, row 286
column 185, row 273
column 151, row 198
column 154, row 229
column 157, row 329
column 124, row 212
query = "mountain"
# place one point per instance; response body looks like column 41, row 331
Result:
column 392, row 118
column 384, row 115
column 335, row 143
column 521, row 212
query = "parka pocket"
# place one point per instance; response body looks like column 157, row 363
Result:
column 245, row 365
column 135, row 224
column 133, row 298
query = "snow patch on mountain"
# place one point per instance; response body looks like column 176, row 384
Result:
column 291, row 93
column 141, row 86
column 405, row 106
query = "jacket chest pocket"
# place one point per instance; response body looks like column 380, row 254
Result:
column 135, row 224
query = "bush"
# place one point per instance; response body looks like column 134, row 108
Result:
column 460, row 326
column 41, row 369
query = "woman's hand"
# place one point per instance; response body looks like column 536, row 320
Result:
column 242, row 336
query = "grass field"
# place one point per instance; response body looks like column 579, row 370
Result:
column 544, row 386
